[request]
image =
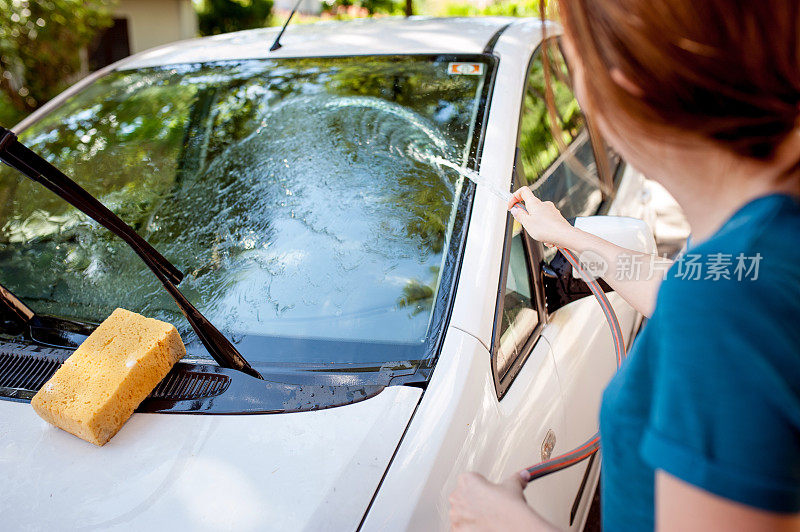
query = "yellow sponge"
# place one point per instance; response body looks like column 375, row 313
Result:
column 100, row 385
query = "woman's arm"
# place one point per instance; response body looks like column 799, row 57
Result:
column 681, row 506
column 544, row 222
column 641, row 287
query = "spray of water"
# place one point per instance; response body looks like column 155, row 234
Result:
column 472, row 175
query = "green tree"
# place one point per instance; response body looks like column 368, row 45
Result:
column 224, row 16
column 385, row 7
column 507, row 8
column 382, row 6
column 40, row 44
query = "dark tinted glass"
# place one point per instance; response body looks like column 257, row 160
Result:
column 297, row 195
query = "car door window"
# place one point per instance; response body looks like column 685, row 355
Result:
column 519, row 315
column 569, row 179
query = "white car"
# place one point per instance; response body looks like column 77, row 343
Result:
column 405, row 328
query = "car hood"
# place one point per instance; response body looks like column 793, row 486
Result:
column 299, row 471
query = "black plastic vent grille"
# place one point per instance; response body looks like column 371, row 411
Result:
column 189, row 388
column 190, row 385
column 26, row 372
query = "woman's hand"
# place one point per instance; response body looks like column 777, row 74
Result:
column 480, row 505
column 542, row 221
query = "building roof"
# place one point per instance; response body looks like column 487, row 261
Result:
column 389, row 35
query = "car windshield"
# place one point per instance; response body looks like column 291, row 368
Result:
column 301, row 197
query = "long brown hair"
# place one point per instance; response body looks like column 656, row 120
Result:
column 727, row 70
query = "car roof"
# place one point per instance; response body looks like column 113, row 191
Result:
column 374, row 36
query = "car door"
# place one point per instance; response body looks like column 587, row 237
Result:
column 577, row 173
column 524, row 374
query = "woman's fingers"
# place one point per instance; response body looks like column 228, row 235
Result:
column 525, row 196
column 522, row 216
column 541, row 219
column 478, row 504
column 528, row 196
column 520, row 213
column 517, row 481
column 516, row 197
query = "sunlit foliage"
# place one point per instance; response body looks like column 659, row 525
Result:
column 505, row 8
column 40, row 49
column 224, row 16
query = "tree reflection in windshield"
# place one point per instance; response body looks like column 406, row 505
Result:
column 287, row 190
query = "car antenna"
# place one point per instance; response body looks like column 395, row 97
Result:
column 277, row 44
column 17, row 156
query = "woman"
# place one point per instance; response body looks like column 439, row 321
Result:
column 701, row 427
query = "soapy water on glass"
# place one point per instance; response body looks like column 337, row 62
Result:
column 356, row 209
column 413, row 148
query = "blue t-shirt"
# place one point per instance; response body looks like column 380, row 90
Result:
column 710, row 392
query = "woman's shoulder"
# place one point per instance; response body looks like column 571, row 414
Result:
column 767, row 225
column 753, row 261
column 733, row 302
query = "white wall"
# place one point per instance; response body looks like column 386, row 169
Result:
column 156, row 22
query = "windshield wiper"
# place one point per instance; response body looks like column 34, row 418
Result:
column 45, row 330
column 16, row 155
column 23, row 312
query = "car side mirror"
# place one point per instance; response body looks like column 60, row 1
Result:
column 563, row 284
column 631, row 233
